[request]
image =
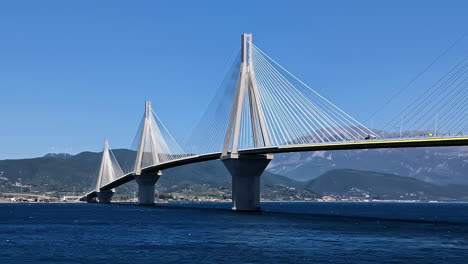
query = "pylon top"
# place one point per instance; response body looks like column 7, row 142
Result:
column 147, row 108
column 246, row 41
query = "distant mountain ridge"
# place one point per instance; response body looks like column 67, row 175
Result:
column 51, row 171
column 79, row 172
column 367, row 184
column 442, row 165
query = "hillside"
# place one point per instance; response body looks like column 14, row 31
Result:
column 78, row 173
column 442, row 165
column 58, row 171
column 366, row 184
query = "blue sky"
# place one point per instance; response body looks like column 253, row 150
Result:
column 72, row 73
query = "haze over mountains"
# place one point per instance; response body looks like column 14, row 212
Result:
column 443, row 165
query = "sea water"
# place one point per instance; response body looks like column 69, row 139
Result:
column 296, row 232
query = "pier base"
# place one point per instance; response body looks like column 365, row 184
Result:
column 146, row 186
column 245, row 171
column 105, row 197
column 91, row 199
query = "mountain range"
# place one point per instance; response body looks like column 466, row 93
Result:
column 441, row 165
column 375, row 185
column 435, row 173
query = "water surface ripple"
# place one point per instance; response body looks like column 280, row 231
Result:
column 211, row 233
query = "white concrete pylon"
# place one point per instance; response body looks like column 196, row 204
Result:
column 246, row 85
column 141, row 145
column 152, row 145
column 109, row 169
column 155, row 142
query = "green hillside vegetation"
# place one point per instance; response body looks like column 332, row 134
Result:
column 58, row 171
column 78, row 173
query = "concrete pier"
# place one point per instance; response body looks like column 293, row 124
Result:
column 245, row 171
column 105, row 197
column 90, row 199
column 146, row 187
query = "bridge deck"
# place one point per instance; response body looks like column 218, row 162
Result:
column 371, row 144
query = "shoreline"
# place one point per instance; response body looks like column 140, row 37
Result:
column 6, row 201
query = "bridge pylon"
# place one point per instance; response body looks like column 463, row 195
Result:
column 108, row 172
column 147, row 142
column 148, row 152
column 247, row 89
column 246, row 170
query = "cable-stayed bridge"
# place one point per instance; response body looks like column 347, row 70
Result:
column 263, row 109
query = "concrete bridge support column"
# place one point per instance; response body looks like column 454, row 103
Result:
column 90, row 199
column 146, row 187
column 245, row 171
column 105, row 196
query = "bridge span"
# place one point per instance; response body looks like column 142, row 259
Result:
column 380, row 144
column 269, row 111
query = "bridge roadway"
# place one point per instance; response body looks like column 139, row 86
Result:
column 368, row 144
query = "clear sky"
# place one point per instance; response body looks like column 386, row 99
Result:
column 74, row 72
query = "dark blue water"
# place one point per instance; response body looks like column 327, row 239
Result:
column 282, row 233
